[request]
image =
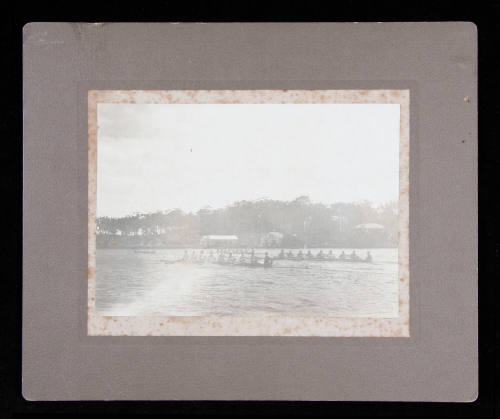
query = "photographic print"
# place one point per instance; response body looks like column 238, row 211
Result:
column 248, row 213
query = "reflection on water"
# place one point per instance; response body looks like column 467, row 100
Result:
column 145, row 284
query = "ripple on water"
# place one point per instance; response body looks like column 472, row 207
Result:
column 135, row 284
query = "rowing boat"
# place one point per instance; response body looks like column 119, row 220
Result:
column 296, row 259
column 225, row 263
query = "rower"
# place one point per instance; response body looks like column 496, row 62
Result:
column 354, row 256
column 300, row 255
column 330, row 255
column 267, row 260
column 309, row 255
column 281, row 254
column 289, row 254
column 320, row 255
column 186, row 256
column 253, row 259
column 342, row 255
column 202, row 257
column 369, row 257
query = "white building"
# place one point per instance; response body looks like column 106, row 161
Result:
column 370, row 227
column 271, row 239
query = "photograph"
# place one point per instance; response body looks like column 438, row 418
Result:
column 263, row 209
column 253, row 211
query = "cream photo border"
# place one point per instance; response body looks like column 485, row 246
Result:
column 260, row 325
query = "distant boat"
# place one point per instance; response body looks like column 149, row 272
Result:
column 170, row 262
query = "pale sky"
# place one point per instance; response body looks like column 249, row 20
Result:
column 156, row 157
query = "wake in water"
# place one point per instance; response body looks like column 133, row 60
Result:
column 171, row 294
column 136, row 284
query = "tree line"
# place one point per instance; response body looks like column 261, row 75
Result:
column 300, row 222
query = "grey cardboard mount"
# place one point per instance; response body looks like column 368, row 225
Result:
column 436, row 61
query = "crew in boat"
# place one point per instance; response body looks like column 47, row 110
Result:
column 267, row 260
column 354, row 256
column 281, row 255
column 309, row 255
column 253, row 259
column 320, row 255
column 368, row 257
column 342, row 256
column 300, row 255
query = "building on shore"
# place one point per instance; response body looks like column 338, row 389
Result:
column 371, row 235
column 370, row 227
column 271, row 239
column 219, row 241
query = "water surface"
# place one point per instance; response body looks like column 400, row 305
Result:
column 143, row 284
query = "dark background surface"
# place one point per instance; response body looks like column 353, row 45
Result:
column 485, row 15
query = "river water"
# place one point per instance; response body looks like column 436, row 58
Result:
column 143, row 284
